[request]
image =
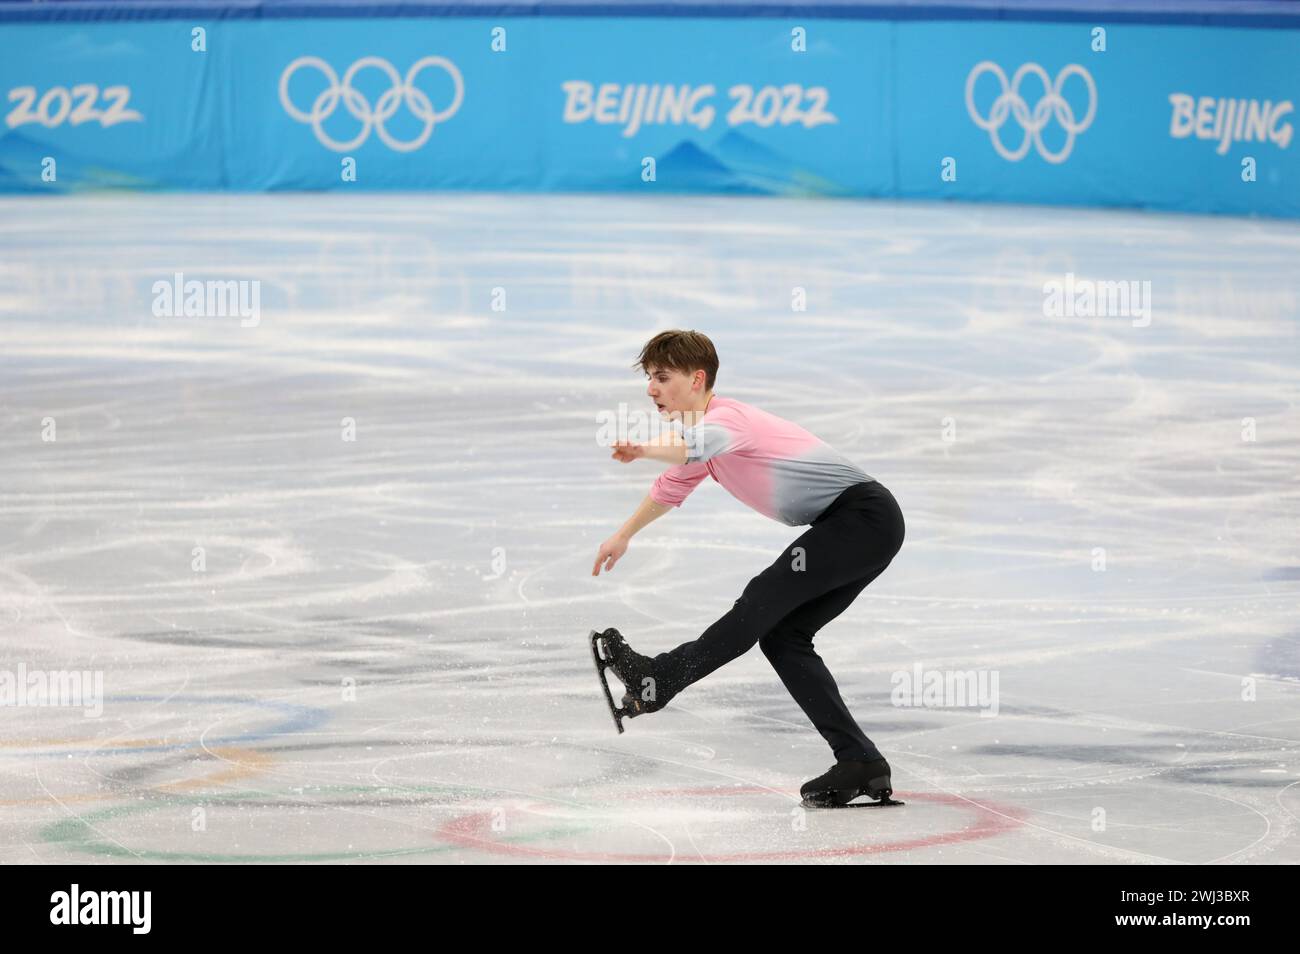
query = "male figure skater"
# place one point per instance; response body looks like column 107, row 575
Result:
column 782, row 471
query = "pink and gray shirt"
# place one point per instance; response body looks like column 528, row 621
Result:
column 764, row 461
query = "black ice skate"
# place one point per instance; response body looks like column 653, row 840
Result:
column 846, row 781
column 611, row 651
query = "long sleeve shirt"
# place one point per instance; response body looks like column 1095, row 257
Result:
column 764, row 461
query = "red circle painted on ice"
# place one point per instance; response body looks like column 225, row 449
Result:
column 473, row 831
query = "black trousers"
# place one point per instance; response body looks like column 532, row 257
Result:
column 782, row 608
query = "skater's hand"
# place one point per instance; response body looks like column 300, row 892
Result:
column 610, row 553
column 628, row 452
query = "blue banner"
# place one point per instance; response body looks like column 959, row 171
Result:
column 123, row 105
column 1169, row 117
column 1155, row 115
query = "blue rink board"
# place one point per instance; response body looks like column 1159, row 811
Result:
column 1167, row 115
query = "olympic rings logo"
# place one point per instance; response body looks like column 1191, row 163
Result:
column 401, row 91
column 1051, row 105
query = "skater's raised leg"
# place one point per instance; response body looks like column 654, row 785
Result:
column 853, row 540
column 766, row 600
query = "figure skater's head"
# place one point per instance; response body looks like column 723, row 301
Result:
column 681, row 367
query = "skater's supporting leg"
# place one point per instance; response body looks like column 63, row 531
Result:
column 789, row 648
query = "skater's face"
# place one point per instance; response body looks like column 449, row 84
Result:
column 674, row 392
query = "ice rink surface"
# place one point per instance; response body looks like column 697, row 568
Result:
column 316, row 648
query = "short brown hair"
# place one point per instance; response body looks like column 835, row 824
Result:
column 684, row 351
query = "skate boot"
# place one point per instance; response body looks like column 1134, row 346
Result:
column 846, row 781
column 611, row 651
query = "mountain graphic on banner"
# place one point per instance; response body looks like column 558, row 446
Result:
column 739, row 164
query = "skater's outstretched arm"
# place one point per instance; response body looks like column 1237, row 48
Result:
column 669, row 448
column 612, row 550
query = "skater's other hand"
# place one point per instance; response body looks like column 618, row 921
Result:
column 610, row 553
column 628, row 452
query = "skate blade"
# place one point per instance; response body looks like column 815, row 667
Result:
column 885, row 801
column 601, row 665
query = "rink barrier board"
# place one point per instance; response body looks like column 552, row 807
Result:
column 1162, row 116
